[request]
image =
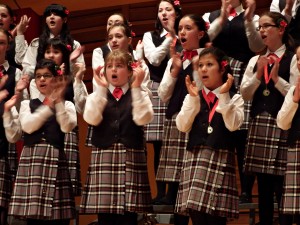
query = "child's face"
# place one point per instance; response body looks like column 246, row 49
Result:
column 118, row 40
column 44, row 81
column 166, row 12
column 210, row 72
column 3, row 44
column 117, row 73
column 189, row 34
column 5, row 19
column 114, row 19
column 269, row 32
column 55, row 23
column 298, row 58
column 54, row 54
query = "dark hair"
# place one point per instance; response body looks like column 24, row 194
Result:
column 201, row 24
column 221, row 58
column 126, row 22
column 121, row 55
column 57, row 43
column 126, row 31
column 178, row 12
column 11, row 14
column 277, row 18
column 65, row 35
column 57, row 9
column 8, row 35
column 49, row 64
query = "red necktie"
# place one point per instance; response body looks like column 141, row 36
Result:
column 189, row 54
column 232, row 12
column 117, row 93
column 211, row 97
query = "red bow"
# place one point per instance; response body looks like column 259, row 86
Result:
column 232, row 12
column 211, row 97
column 117, row 93
column 189, row 54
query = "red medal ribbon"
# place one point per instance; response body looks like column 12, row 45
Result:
column 208, row 101
column 266, row 73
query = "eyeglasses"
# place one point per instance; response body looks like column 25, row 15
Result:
column 46, row 76
column 265, row 26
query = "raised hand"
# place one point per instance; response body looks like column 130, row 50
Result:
column 138, row 76
column 11, row 102
column 261, row 63
column 139, row 45
column 250, row 9
column 100, row 77
column 192, row 88
column 227, row 85
column 176, row 63
column 3, row 94
column 79, row 70
column 23, row 25
column 296, row 96
column 76, row 53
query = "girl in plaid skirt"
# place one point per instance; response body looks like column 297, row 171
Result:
column 117, row 185
column 288, row 118
column 172, row 90
column 208, row 190
column 266, row 81
column 156, row 48
column 43, row 191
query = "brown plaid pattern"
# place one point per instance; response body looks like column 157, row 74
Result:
column 208, row 183
column 238, row 68
column 172, row 152
column 12, row 159
column 291, row 194
column 266, row 150
column 5, row 182
column 72, row 154
column 117, row 181
column 43, row 187
column 154, row 130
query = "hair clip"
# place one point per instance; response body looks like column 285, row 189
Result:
column 282, row 23
column 224, row 63
column 69, row 47
column 58, row 70
column 134, row 65
column 67, row 12
column 132, row 34
column 177, row 2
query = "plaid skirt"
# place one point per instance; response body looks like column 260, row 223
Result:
column 290, row 203
column 154, row 130
column 172, row 152
column 5, row 182
column 266, row 150
column 117, row 181
column 43, row 188
column 72, row 154
column 88, row 140
column 208, row 183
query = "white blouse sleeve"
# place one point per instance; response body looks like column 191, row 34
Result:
column 97, row 58
column 95, row 105
column 232, row 110
column 21, row 48
column 66, row 116
column 12, row 126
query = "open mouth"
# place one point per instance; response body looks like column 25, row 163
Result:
column 182, row 40
column 204, row 77
column 114, row 76
column 165, row 19
column 263, row 36
column 52, row 23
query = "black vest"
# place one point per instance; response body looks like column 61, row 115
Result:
column 273, row 102
column 10, row 87
column 232, row 39
column 157, row 72
column 10, row 55
column 105, row 51
column 220, row 138
column 50, row 130
column 117, row 125
column 294, row 132
column 179, row 93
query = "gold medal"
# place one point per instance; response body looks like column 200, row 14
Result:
column 266, row 92
column 209, row 129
